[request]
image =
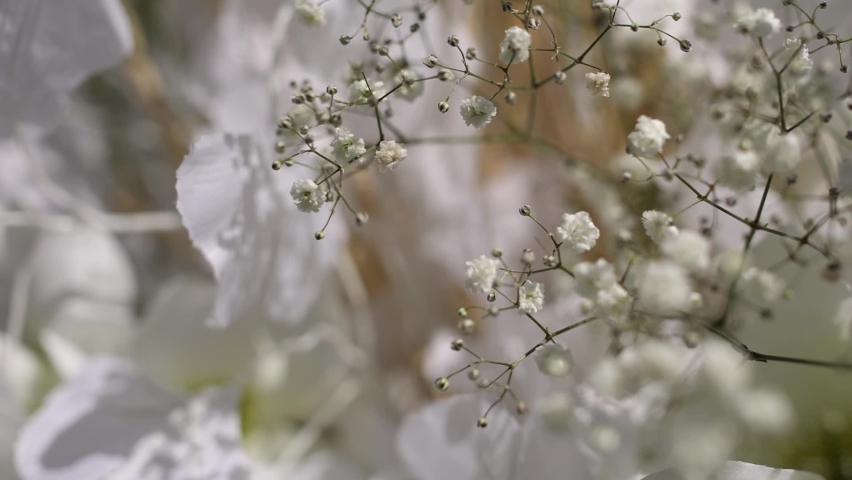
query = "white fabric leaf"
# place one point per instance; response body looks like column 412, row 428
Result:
column 442, row 441
column 51, row 47
column 83, row 263
column 88, row 427
column 177, row 349
column 112, row 422
column 240, row 215
column 744, row 471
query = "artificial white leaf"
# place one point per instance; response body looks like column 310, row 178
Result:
column 175, row 347
column 744, row 471
column 49, row 48
column 82, row 263
column 442, row 441
column 113, row 422
column 88, row 427
column 240, row 215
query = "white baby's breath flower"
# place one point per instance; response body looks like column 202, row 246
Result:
column 613, row 302
column 664, row 288
column 738, row 170
column 578, row 231
column 758, row 23
column 390, row 154
column 658, row 226
column 347, row 146
column 360, row 91
column 554, row 360
column 307, row 195
column 764, row 411
column 530, row 297
column 481, row 274
column 410, row 88
column 647, row 138
column 598, row 83
column 591, row 277
column 782, row 153
column 688, row 249
column 515, row 48
column 801, row 61
column 477, row 111
column 310, row 13
column 763, row 284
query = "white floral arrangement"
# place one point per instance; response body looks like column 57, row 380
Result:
column 671, row 300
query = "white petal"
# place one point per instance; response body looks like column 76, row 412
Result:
column 88, row 264
column 240, row 215
column 76, row 38
column 745, row 471
column 49, row 48
column 442, row 441
column 175, row 346
column 88, row 427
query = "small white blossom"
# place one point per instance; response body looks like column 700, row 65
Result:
column 647, row 138
column 598, row 83
column 843, row 319
column 481, row 274
column 515, row 48
column 390, row 154
column 554, row 360
column 782, row 153
column 723, row 369
column 578, row 231
column 477, row 111
column 763, row 284
column 310, row 13
column 658, row 226
column 801, row 61
column 613, row 302
column 592, row 277
column 360, row 91
column 688, row 249
column 758, row 23
column 347, row 146
column 530, row 297
column 738, row 170
column 406, row 91
column 307, row 195
column 664, row 288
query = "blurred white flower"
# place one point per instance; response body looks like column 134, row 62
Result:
column 554, row 360
column 758, row 23
column 664, row 288
column 592, row 277
column 658, row 226
column 481, row 274
column 515, row 48
column 311, row 13
column 738, row 170
column 689, row 249
column 647, row 138
column 762, row 284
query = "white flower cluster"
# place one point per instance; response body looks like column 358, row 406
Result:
column 515, row 48
column 307, row 195
column 390, row 154
column 481, row 274
column 758, row 23
column 648, row 138
column 477, row 111
column 578, row 231
column 598, row 83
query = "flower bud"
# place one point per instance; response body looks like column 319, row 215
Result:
column 345, row 39
column 528, row 257
column 396, row 20
column 457, row 344
column 685, row 46
column 445, row 75
column 465, row 326
column 443, row 107
column 442, row 384
column 525, row 211
column 453, row 41
column 482, row 422
column 430, row 61
column 319, row 235
column 511, row 97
